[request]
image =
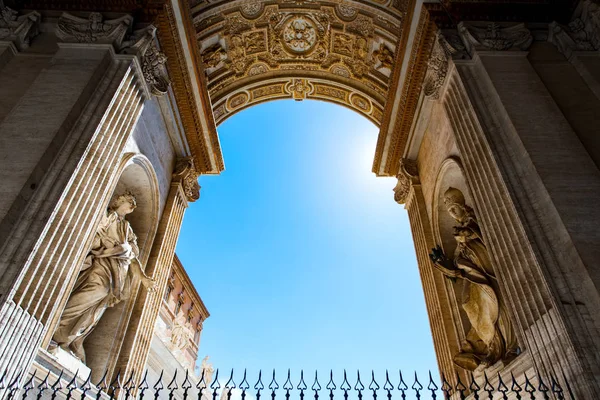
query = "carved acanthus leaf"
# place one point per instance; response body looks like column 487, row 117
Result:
column 185, row 172
column 93, row 29
column 143, row 44
column 494, row 37
column 407, row 176
column 19, row 29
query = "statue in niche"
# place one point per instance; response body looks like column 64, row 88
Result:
column 105, row 278
column 491, row 337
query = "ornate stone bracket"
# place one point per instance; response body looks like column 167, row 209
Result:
column 408, row 176
column 143, row 44
column 185, row 172
column 93, row 29
column 581, row 34
column 19, row 29
column 437, row 66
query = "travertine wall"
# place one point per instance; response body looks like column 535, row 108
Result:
column 523, row 126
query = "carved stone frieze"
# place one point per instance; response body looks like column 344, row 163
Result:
column 408, row 175
column 143, row 44
column 93, row 29
column 495, row 37
column 18, row 28
column 581, row 34
column 185, row 172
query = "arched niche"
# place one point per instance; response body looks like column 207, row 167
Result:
column 450, row 174
column 136, row 175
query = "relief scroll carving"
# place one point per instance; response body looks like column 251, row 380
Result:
column 93, row 29
column 18, row 28
column 495, row 37
column 408, row 175
column 185, row 172
column 491, row 337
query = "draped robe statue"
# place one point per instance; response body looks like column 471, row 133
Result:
column 105, row 278
column 491, row 337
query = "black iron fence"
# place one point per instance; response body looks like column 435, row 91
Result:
column 209, row 386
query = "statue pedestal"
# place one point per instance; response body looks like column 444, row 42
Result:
column 68, row 362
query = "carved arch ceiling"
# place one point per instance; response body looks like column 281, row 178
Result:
column 338, row 51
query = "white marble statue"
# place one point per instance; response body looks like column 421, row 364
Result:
column 105, row 278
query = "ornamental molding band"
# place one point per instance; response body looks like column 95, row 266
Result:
column 143, row 44
column 300, row 49
column 93, row 29
column 581, row 34
column 185, row 172
column 19, row 29
column 494, row 37
column 408, row 176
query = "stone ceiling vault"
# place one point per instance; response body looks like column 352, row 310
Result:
column 338, row 51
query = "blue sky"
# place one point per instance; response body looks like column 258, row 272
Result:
column 300, row 253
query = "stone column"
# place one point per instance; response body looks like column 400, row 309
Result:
column 134, row 354
column 446, row 340
column 533, row 185
column 74, row 116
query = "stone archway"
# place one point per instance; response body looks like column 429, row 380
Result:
column 265, row 50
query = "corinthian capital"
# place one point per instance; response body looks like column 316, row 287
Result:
column 581, row 34
column 407, row 176
column 18, row 28
column 93, row 29
column 185, row 172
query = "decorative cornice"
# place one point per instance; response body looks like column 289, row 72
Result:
column 204, row 146
column 407, row 176
column 581, row 34
column 186, row 173
column 143, row 44
column 18, row 29
column 392, row 143
column 437, row 68
column 93, row 29
column 495, row 37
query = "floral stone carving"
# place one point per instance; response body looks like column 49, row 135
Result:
column 494, row 37
column 299, row 34
column 185, row 172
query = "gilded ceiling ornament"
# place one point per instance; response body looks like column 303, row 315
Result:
column 494, row 37
column 237, row 100
column 340, row 70
column 20, row 29
column 342, row 44
column 255, row 42
column 299, row 88
column 213, row 55
column 258, row 69
column 360, row 102
column 185, row 172
column 251, row 10
column 143, row 43
column 93, row 29
column 345, row 11
column 384, row 57
column 299, row 34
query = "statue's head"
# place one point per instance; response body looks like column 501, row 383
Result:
column 123, row 204
column 455, row 204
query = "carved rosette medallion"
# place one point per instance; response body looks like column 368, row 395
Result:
column 185, row 172
column 299, row 34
